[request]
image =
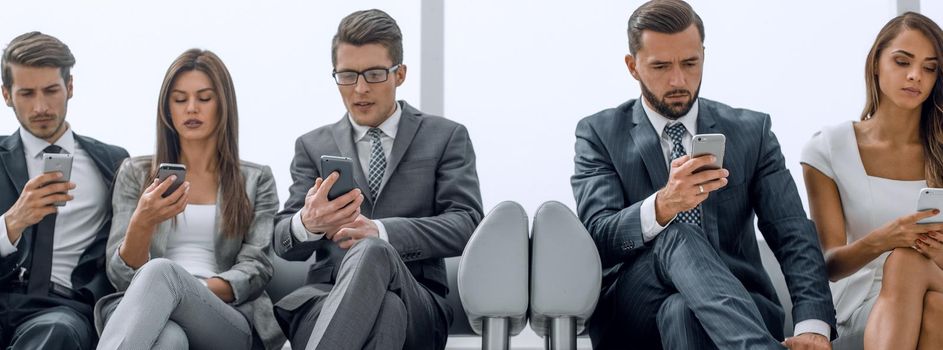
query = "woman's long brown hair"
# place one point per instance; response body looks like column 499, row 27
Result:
column 236, row 210
column 931, row 112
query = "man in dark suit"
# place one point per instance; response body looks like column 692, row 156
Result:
column 679, row 253
column 379, row 279
column 51, row 257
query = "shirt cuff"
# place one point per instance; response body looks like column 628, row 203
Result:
column 6, row 248
column 383, row 235
column 813, row 326
column 300, row 232
column 650, row 226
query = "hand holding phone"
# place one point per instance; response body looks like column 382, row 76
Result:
column 344, row 166
column 713, row 144
column 334, row 200
column 929, row 199
column 165, row 170
column 58, row 162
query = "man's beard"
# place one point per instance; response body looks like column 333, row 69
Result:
column 671, row 111
column 42, row 133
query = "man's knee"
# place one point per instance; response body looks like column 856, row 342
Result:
column 373, row 249
column 680, row 235
column 61, row 328
column 673, row 310
column 393, row 310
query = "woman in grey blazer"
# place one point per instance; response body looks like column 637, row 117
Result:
column 191, row 263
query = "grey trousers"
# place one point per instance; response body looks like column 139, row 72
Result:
column 374, row 304
column 167, row 308
column 59, row 327
column 679, row 294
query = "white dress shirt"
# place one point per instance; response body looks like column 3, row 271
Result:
column 650, row 226
column 80, row 219
column 363, row 144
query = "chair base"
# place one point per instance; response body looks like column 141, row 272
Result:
column 562, row 334
column 495, row 334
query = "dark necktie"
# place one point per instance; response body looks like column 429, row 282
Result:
column 377, row 162
column 41, row 263
column 676, row 132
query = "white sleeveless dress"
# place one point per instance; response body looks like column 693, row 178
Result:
column 868, row 202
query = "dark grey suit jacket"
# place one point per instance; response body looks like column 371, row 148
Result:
column 430, row 204
column 88, row 277
column 619, row 163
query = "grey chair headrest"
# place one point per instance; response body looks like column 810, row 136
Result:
column 493, row 272
column 566, row 272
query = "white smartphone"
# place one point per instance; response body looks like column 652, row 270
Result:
column 60, row 162
column 164, row 170
column 929, row 199
column 714, row 144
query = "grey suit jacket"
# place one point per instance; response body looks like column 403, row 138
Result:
column 619, row 163
column 430, row 204
column 244, row 263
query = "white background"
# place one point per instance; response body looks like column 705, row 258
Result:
column 518, row 74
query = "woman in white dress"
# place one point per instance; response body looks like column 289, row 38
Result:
column 863, row 179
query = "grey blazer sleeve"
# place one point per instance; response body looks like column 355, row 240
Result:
column 127, row 192
column 303, row 173
column 790, row 234
column 457, row 202
column 253, row 268
column 600, row 199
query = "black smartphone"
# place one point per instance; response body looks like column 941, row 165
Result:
column 60, row 162
column 164, row 170
column 344, row 166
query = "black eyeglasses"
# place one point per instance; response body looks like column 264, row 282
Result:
column 377, row 75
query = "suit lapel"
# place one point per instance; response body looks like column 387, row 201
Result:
column 408, row 126
column 649, row 146
column 707, row 124
column 344, row 138
column 14, row 161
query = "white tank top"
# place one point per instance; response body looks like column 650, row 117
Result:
column 191, row 242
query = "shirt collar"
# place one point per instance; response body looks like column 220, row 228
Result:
column 34, row 146
column 389, row 126
column 659, row 121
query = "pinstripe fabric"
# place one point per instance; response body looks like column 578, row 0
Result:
column 619, row 163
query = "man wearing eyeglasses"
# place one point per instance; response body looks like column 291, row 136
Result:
column 379, row 278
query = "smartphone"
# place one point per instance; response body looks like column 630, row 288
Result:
column 929, row 199
column 164, row 170
column 344, row 166
column 714, row 144
column 60, row 162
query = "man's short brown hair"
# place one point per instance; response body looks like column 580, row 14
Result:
column 369, row 27
column 35, row 49
column 661, row 16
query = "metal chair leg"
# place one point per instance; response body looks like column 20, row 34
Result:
column 562, row 333
column 495, row 334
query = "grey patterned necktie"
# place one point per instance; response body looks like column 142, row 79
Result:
column 377, row 162
column 676, row 132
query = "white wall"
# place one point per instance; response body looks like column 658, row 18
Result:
column 518, row 74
